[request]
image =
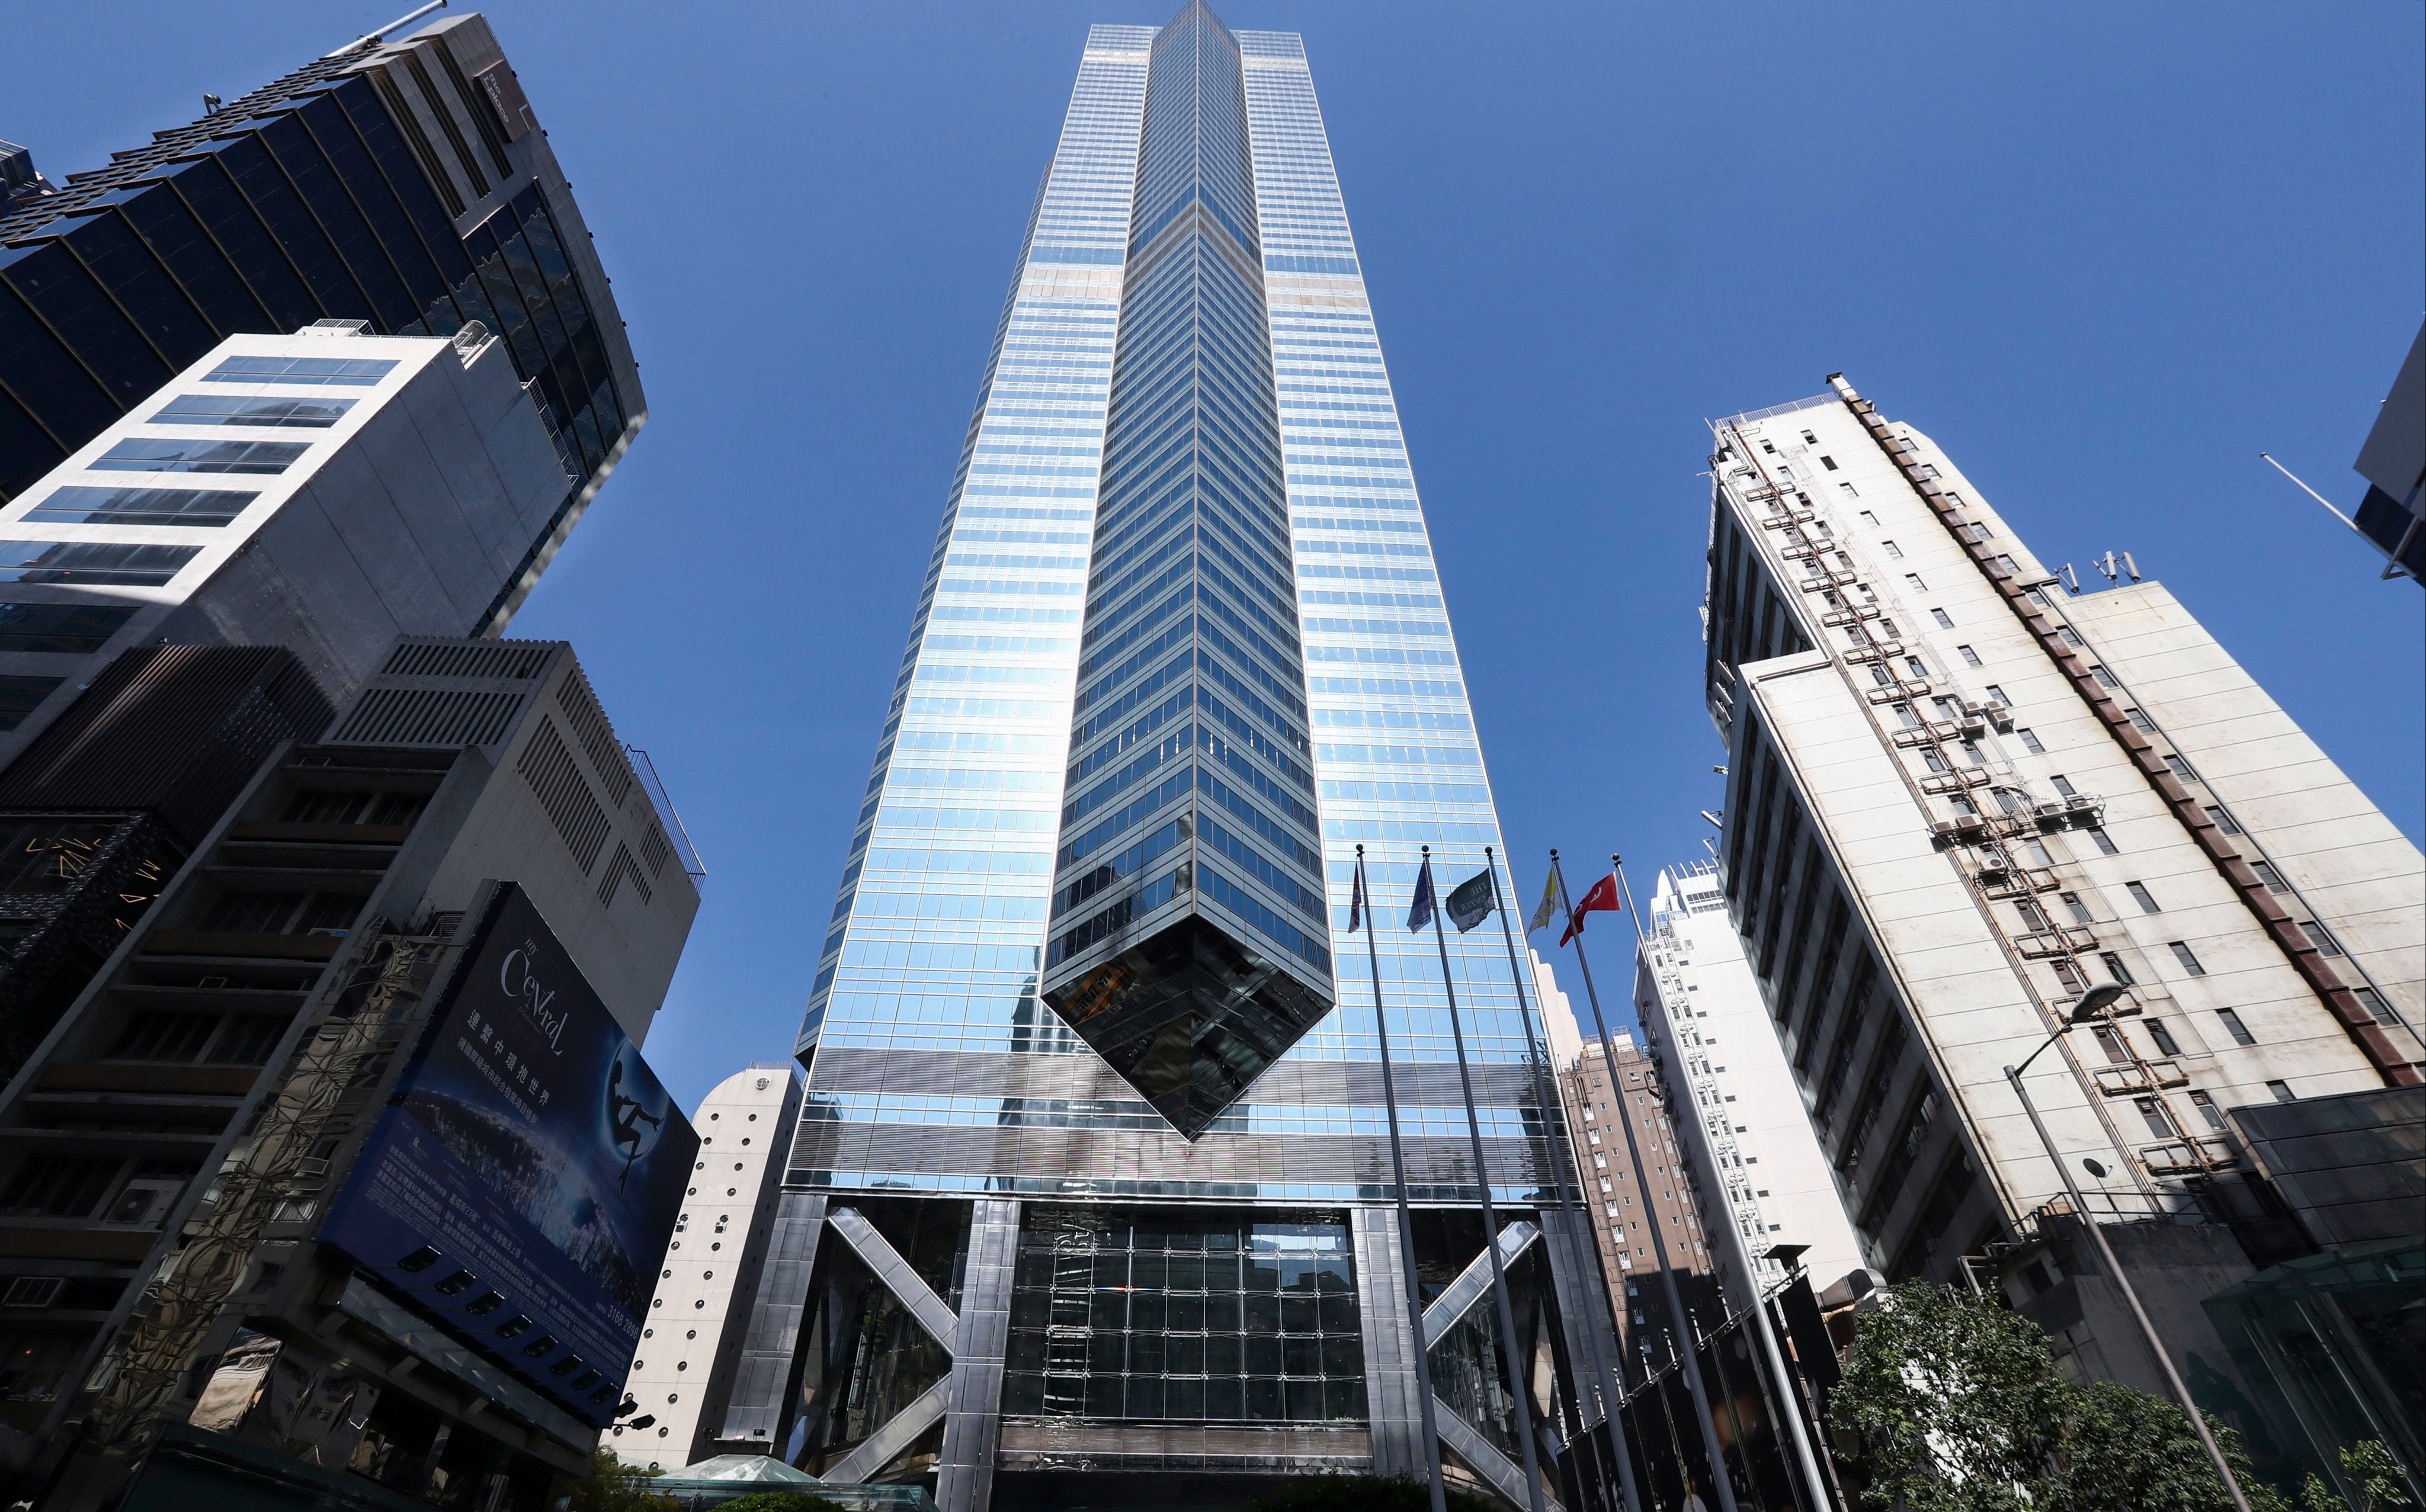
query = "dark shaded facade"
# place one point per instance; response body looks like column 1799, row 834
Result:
column 99, row 812
column 405, row 186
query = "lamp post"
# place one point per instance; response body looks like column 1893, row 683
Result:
column 2092, row 1006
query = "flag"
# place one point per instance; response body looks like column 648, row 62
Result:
column 1549, row 907
column 1419, row 912
column 1356, row 901
column 1469, row 902
column 1602, row 898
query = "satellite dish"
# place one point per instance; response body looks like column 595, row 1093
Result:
column 2094, row 1169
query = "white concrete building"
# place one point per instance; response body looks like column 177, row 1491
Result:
column 719, row 1248
column 1960, row 796
column 1736, row 1109
column 326, row 492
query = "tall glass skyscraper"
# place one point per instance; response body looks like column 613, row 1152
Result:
column 1092, row 1175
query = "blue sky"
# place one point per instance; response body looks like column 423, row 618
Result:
column 2104, row 254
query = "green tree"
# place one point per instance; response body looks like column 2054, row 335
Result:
column 2369, row 1466
column 1955, row 1402
column 1360, row 1493
column 781, row 1502
column 612, row 1486
column 2124, row 1450
column 1957, row 1408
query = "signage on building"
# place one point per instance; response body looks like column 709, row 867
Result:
column 522, row 1184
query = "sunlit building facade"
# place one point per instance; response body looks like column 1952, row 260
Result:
column 1093, row 1177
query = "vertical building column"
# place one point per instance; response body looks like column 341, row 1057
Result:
column 1385, row 1315
column 760, row 1410
column 1583, row 1308
column 972, row 1421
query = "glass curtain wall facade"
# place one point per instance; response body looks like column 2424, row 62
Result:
column 1084, row 998
column 401, row 184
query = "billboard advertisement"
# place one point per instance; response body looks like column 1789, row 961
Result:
column 523, row 1183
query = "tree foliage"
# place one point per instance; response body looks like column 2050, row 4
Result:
column 2367, row 1466
column 1957, row 1408
column 781, row 1502
column 613, row 1485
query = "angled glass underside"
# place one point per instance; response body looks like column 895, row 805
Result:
column 1187, row 943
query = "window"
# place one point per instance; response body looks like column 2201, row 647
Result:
column 1828, row 462
column 2222, row 821
column 1926, row 471
column 2180, row 768
column 2006, row 801
column 1903, row 713
column 2115, row 969
column 1945, row 620
column 2070, row 976
column 2079, row 911
column 1867, row 518
column 2326, row 943
column 2141, row 896
column 2268, row 875
column 1929, row 759
column 2105, row 843
column 2008, row 564
column 1880, row 675
column 143, row 453
column 1913, row 581
column 2153, row 1114
column 2141, row 721
column 1971, row 753
column 91, row 561
column 1852, row 492
column 238, row 409
column 2233, row 1026
column 2282, row 1091
column 2104, row 678
column 2183, row 954
column 2372, row 1000
column 68, row 629
column 1996, row 695
column 348, row 372
column 1890, row 548
column 2207, row 1107
column 2166, row 1045
column 1970, row 657
column 2039, row 853
column 2117, row 1053
column 1886, row 628
column 1947, row 708
column 1918, row 669
column 2029, row 741
column 81, row 506
column 2063, row 785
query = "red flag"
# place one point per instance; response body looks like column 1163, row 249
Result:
column 1602, row 898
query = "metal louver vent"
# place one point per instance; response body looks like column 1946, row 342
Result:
column 656, row 849
column 564, row 793
column 429, row 717
column 620, row 869
column 590, row 727
column 453, row 658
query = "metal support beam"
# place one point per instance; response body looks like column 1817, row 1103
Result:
column 897, row 1276
column 902, row 1429
column 759, row 1412
column 972, row 1424
column 1474, row 1283
column 1479, row 1451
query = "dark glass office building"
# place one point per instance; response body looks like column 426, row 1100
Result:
column 404, row 184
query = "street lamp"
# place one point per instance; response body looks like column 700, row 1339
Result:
column 2092, row 1006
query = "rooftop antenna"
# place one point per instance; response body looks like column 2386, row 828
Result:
column 2071, row 579
column 401, row 23
column 211, row 104
column 2117, row 566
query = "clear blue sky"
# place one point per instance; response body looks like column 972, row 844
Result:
column 2104, row 254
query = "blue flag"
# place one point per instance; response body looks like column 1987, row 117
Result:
column 1419, row 912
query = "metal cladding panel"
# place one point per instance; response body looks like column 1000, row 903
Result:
column 176, row 731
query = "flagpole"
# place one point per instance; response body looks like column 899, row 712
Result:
column 1721, row 1482
column 1585, row 1271
column 1787, row 1391
column 1414, row 1283
column 1516, row 1372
